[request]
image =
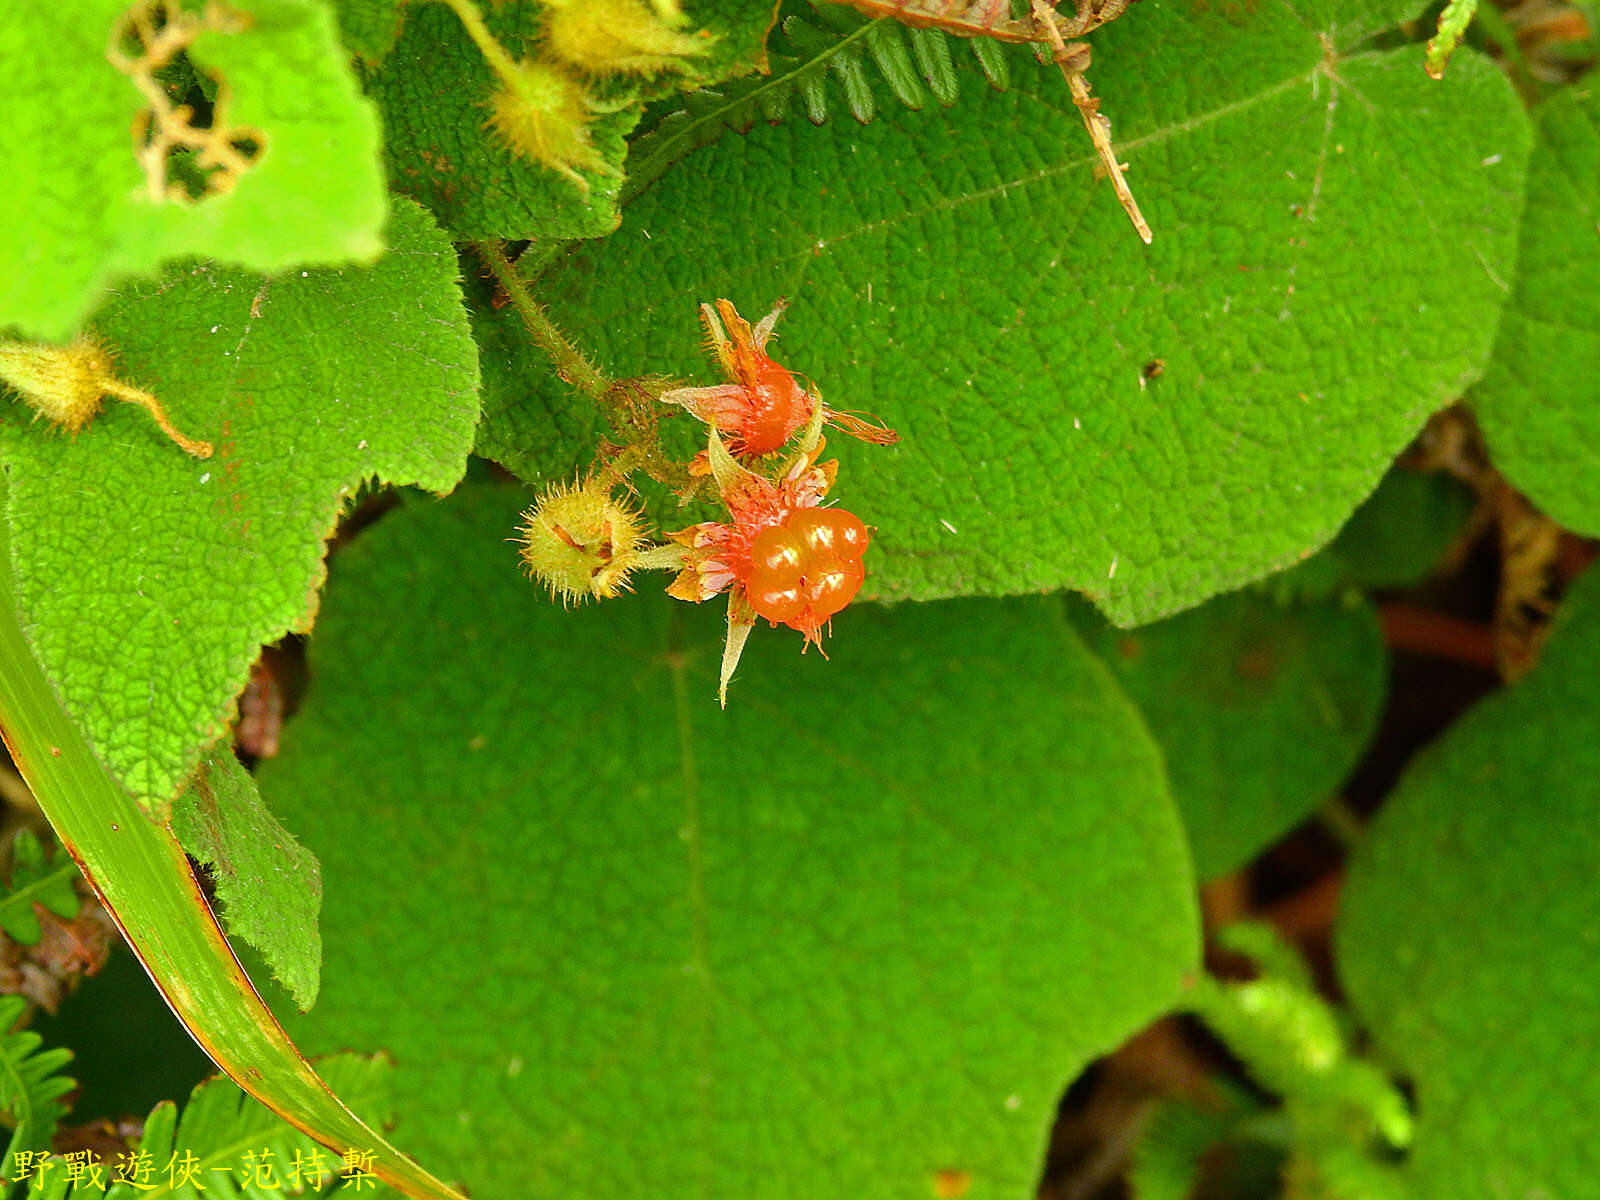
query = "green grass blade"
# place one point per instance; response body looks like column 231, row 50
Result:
column 144, row 880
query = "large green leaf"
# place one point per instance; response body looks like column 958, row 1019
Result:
column 1471, row 930
column 369, row 27
column 434, row 88
column 1262, row 708
column 861, row 928
column 163, row 574
column 1539, row 402
column 87, row 219
column 1330, row 229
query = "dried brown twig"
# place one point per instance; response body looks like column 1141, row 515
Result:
column 1044, row 26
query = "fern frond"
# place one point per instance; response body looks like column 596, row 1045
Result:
column 41, row 877
column 1166, row 1162
column 816, row 47
column 228, row 1143
column 30, row 1088
column 1169, row 1159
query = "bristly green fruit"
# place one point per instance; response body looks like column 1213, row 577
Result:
column 543, row 113
column 618, row 37
column 580, row 542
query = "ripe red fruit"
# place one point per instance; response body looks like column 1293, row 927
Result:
column 762, row 405
column 778, row 557
column 830, row 531
column 808, row 568
column 780, row 605
column 775, row 406
column 833, row 587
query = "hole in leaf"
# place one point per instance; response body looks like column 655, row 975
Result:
column 183, row 140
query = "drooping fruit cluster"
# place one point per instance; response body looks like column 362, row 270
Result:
column 780, row 556
column 809, row 568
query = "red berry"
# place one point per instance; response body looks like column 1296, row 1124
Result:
column 780, row 604
column 777, row 407
column 849, row 533
column 814, row 529
column 777, row 557
column 831, row 588
column 829, row 532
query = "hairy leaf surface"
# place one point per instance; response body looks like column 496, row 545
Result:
column 269, row 886
column 1260, row 707
column 147, row 595
column 1148, row 425
column 1539, row 403
column 1471, row 929
column 859, row 929
column 1395, row 539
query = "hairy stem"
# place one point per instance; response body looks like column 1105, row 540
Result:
column 493, row 52
column 627, row 403
column 133, row 395
column 569, row 361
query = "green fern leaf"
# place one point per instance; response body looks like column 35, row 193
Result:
column 30, row 1088
column 1166, row 1162
column 816, row 46
column 37, row 877
column 228, row 1144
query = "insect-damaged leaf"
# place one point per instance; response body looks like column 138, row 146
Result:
column 85, row 214
column 860, row 929
column 1330, row 226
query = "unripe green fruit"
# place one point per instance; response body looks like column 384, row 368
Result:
column 581, row 543
column 606, row 37
column 543, row 113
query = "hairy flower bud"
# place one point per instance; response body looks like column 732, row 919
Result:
column 65, row 385
column 60, row 383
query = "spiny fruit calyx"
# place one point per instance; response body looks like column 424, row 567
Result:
column 611, row 37
column 582, row 543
